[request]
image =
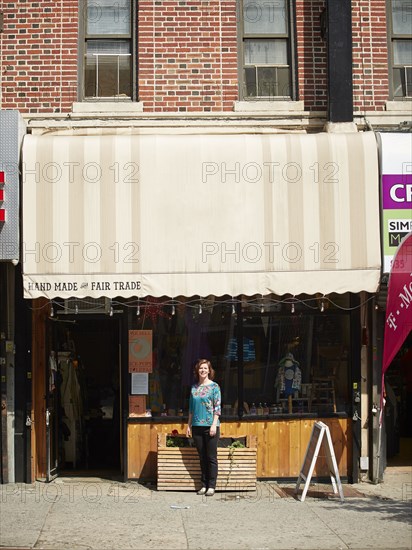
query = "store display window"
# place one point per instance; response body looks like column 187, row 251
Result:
column 294, row 360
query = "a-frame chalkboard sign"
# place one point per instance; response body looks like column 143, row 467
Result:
column 312, row 452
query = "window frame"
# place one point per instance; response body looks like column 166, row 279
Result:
column 392, row 37
column 84, row 37
column 289, row 36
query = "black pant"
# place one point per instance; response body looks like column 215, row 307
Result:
column 207, row 449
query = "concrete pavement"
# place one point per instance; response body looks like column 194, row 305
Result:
column 94, row 513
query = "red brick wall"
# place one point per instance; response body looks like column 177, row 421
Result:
column 311, row 55
column 370, row 55
column 194, row 72
column 187, row 51
column 36, row 76
column 187, row 55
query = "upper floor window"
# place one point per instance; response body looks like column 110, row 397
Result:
column 265, row 50
column 108, row 58
column 401, row 38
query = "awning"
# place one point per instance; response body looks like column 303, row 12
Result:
column 184, row 215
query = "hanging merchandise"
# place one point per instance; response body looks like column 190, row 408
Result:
column 153, row 310
column 72, row 410
column 197, row 344
column 52, row 371
column 289, row 376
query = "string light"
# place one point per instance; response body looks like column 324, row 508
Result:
column 262, row 308
column 111, row 311
column 173, row 310
column 200, row 309
column 310, row 303
column 322, row 306
column 51, row 309
column 138, row 308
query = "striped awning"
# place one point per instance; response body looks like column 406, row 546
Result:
column 182, row 215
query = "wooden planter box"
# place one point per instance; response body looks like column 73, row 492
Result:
column 178, row 468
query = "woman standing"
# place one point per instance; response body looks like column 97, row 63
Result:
column 204, row 412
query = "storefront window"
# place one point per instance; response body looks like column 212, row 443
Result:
column 300, row 350
column 296, row 354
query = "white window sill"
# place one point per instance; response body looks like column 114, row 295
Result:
column 108, row 107
column 404, row 104
column 341, row 128
column 258, row 106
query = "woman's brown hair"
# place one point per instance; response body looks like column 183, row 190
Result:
column 204, row 362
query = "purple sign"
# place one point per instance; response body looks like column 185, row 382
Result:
column 397, row 192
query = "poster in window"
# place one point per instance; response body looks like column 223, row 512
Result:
column 140, row 351
column 140, row 383
column 137, row 405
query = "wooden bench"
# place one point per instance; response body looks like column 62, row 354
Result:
column 178, row 468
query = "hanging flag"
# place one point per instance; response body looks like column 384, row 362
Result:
column 399, row 304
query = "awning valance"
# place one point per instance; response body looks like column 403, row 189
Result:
column 184, row 215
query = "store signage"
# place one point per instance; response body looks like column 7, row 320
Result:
column 399, row 303
column 2, row 210
column 396, row 167
column 80, row 286
column 140, row 351
column 12, row 130
column 319, row 430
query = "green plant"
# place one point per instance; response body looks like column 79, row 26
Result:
column 176, row 441
column 236, row 445
column 232, row 448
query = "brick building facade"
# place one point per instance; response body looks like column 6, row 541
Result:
column 103, row 73
column 185, row 55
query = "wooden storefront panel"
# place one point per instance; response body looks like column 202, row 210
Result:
column 178, row 469
column 38, row 428
column 281, row 445
column 295, row 453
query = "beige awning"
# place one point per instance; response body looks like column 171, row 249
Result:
column 184, row 215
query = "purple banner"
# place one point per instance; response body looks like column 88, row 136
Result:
column 397, row 192
column 398, row 315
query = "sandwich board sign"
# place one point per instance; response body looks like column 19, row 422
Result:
column 312, row 452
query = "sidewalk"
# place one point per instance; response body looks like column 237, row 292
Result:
column 93, row 513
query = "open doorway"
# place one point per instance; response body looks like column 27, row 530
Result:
column 84, row 397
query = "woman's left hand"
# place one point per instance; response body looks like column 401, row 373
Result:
column 212, row 430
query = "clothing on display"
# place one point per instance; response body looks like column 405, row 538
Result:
column 196, row 343
column 289, row 376
column 72, row 407
column 52, row 372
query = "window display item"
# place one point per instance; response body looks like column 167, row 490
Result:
column 289, row 376
column 249, row 353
